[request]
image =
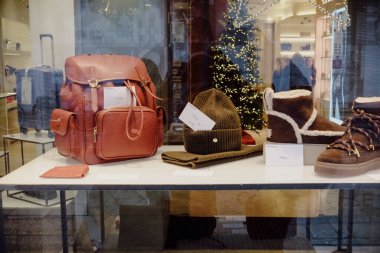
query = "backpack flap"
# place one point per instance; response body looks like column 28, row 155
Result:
column 93, row 69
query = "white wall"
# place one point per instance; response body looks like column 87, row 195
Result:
column 57, row 18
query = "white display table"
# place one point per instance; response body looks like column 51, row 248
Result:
column 153, row 174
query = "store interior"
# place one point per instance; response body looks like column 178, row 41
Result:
column 286, row 27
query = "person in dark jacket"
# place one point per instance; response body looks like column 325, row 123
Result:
column 299, row 73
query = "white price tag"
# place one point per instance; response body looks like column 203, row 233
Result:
column 26, row 90
column 118, row 96
column 195, row 119
column 283, row 155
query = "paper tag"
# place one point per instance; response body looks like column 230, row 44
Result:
column 118, row 96
column 283, row 154
column 195, row 119
column 26, row 90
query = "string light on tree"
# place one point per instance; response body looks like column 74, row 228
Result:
column 235, row 64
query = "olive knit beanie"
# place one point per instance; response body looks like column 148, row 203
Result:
column 226, row 134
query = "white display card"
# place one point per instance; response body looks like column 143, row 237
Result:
column 195, row 119
column 118, row 96
column 283, row 154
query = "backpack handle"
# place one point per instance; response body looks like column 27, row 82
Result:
column 137, row 132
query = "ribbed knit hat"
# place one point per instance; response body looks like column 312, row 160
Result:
column 226, row 134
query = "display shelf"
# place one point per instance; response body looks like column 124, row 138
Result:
column 32, row 206
column 153, row 174
column 298, row 39
column 302, row 45
column 10, row 52
column 32, row 137
column 304, row 53
column 42, row 138
column 323, row 62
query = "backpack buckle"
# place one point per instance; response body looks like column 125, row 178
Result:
column 93, row 83
column 143, row 83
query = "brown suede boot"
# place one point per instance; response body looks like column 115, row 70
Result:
column 358, row 150
column 292, row 118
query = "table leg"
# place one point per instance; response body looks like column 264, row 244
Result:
column 22, row 152
column 308, row 219
column 62, row 196
column 8, row 163
column 350, row 220
column 5, row 163
column 43, row 148
column 102, row 229
column 3, row 245
column 6, row 157
column 74, row 228
column 340, row 219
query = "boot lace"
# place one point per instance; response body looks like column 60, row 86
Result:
column 371, row 130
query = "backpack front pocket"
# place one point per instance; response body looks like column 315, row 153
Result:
column 63, row 124
column 110, row 133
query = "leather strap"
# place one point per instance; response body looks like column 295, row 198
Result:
column 135, row 131
column 94, row 99
column 145, row 85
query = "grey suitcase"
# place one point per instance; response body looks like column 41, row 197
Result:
column 38, row 93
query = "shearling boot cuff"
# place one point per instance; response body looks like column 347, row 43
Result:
column 367, row 104
column 292, row 118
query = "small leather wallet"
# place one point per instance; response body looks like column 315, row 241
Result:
column 69, row 171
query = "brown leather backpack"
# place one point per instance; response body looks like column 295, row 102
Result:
column 85, row 131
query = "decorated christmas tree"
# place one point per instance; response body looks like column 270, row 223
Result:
column 235, row 64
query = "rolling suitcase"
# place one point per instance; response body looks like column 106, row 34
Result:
column 38, row 93
column 37, row 96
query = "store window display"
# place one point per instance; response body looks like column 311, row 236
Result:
column 187, row 196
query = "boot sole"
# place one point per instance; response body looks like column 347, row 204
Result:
column 335, row 169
